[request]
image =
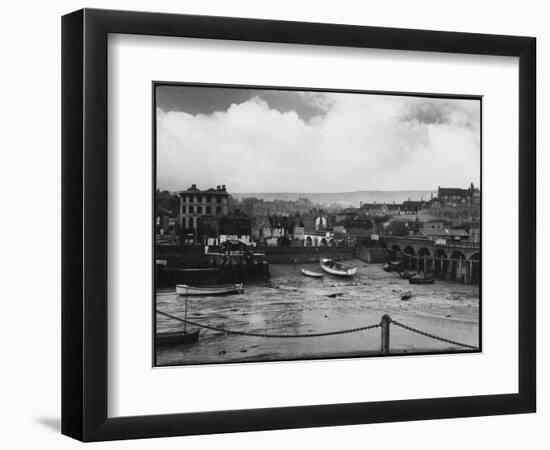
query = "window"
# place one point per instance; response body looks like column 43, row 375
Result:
column 218, row 209
column 199, row 209
column 191, row 209
column 208, row 210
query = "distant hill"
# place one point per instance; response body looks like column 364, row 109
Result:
column 342, row 198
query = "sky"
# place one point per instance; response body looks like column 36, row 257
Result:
column 257, row 140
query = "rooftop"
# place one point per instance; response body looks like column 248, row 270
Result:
column 219, row 190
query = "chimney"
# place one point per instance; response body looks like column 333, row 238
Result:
column 223, row 187
column 193, row 186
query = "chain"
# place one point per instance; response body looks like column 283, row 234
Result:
column 265, row 335
column 423, row 333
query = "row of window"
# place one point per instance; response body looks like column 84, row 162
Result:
column 200, row 209
column 209, row 199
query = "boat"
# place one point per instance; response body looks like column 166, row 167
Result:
column 224, row 289
column 392, row 266
column 406, row 295
column 415, row 280
column 177, row 337
column 337, row 268
column 406, row 274
column 311, row 273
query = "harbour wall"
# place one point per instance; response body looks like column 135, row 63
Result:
column 189, row 256
column 372, row 254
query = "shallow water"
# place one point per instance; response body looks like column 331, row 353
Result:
column 291, row 303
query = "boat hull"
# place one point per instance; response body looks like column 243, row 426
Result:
column 177, row 338
column 338, row 269
column 309, row 273
column 421, row 280
column 184, row 289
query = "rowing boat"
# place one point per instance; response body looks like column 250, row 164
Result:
column 177, row 338
column 415, row 280
column 311, row 273
column 406, row 274
column 224, row 289
column 337, row 268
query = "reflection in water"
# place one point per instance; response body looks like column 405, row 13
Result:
column 294, row 304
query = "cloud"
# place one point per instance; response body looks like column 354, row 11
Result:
column 355, row 142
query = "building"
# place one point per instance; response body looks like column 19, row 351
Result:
column 375, row 209
column 412, row 206
column 457, row 197
column 449, row 235
column 195, row 204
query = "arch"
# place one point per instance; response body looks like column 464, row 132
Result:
column 323, row 242
column 457, row 255
column 440, row 263
column 473, row 268
column 424, row 264
column 309, row 242
column 457, row 268
column 396, row 248
column 424, row 252
column 331, row 242
column 409, row 260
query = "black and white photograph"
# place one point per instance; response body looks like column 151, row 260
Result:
column 295, row 224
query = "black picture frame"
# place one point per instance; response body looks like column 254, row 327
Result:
column 84, row 224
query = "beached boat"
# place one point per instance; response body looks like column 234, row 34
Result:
column 392, row 266
column 406, row 295
column 184, row 289
column 406, row 274
column 311, row 273
column 177, row 338
column 415, row 280
column 337, row 268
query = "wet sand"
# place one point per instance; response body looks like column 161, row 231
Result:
column 291, row 303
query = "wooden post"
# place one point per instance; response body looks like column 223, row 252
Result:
column 385, row 334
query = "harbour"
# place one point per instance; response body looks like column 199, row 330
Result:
column 290, row 303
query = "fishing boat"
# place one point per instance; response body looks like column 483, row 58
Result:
column 406, row 274
column 406, row 295
column 426, row 280
column 224, row 289
column 311, row 273
column 177, row 337
column 337, row 268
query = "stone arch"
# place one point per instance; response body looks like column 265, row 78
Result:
column 409, row 260
column 457, row 267
column 395, row 253
column 474, row 267
column 323, row 243
column 331, row 242
column 309, row 242
column 440, row 263
column 424, row 260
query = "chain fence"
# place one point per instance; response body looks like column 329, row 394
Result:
column 312, row 335
column 268, row 335
column 432, row 336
